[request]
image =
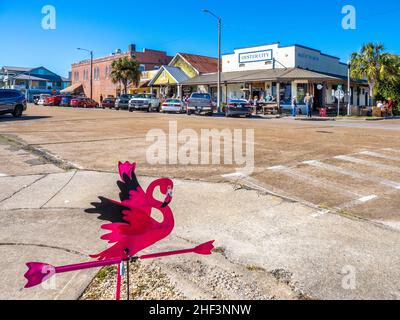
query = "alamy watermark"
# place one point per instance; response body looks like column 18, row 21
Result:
column 49, row 21
column 349, row 21
column 209, row 147
column 349, row 280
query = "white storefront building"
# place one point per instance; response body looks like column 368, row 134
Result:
column 282, row 72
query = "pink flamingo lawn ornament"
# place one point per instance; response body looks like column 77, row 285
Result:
column 132, row 229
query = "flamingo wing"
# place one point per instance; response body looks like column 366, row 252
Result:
column 130, row 189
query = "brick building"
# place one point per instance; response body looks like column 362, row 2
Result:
column 102, row 84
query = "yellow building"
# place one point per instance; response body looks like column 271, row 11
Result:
column 168, row 79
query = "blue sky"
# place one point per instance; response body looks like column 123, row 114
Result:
column 180, row 26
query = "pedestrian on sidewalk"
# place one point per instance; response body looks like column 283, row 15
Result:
column 294, row 107
column 308, row 100
column 390, row 107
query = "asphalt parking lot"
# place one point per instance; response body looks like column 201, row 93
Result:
column 352, row 166
column 322, row 194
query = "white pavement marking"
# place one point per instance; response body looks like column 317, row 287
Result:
column 358, row 202
column 391, row 149
column 379, row 155
column 276, row 168
column 320, row 213
column 368, row 163
column 319, row 182
column 368, row 198
column 234, row 175
column 2, row 175
column 354, row 174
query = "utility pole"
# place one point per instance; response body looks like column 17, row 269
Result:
column 91, row 70
column 219, row 57
column 349, row 95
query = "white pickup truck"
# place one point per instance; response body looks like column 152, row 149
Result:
column 145, row 101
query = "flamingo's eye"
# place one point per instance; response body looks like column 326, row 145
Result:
column 170, row 191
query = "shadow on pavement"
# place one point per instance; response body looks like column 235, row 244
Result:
column 6, row 118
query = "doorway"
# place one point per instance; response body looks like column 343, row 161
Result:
column 318, row 96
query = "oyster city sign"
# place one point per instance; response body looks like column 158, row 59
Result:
column 255, row 56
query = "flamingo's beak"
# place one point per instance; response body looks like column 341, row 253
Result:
column 168, row 198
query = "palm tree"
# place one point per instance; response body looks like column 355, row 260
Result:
column 125, row 71
column 373, row 64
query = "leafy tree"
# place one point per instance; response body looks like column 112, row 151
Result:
column 390, row 88
column 373, row 64
column 125, row 71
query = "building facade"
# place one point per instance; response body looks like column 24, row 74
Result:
column 32, row 80
column 168, row 82
column 102, row 85
column 281, row 73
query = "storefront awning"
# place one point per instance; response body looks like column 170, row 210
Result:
column 262, row 75
column 75, row 88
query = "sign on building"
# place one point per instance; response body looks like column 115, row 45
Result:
column 256, row 56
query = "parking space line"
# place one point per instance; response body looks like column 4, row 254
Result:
column 378, row 155
column 367, row 163
column 391, row 149
column 234, row 175
column 319, row 182
column 357, row 202
column 277, row 168
column 354, row 174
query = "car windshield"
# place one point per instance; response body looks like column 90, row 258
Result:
column 125, row 96
column 201, row 96
column 173, row 101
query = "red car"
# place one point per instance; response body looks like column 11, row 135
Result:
column 83, row 103
column 52, row 101
column 108, row 102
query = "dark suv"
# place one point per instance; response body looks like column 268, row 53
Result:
column 12, row 101
column 123, row 102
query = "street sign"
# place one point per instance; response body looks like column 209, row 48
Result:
column 339, row 94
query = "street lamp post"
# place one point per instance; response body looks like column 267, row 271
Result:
column 91, row 70
column 219, row 57
column 349, row 95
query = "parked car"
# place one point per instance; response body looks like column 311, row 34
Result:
column 42, row 99
column 148, row 102
column 173, row 105
column 123, row 102
column 82, row 102
column 52, row 100
column 12, row 101
column 66, row 101
column 36, row 98
column 108, row 102
column 200, row 103
column 239, row 108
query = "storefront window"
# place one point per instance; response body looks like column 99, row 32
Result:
column 286, row 93
column 302, row 90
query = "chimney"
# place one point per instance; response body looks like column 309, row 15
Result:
column 132, row 48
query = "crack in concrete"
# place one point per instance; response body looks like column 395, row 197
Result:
column 23, row 188
column 61, row 189
column 43, row 246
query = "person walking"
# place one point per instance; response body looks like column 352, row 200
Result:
column 294, row 107
column 308, row 100
column 390, row 107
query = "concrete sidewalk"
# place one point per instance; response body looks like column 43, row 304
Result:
column 42, row 219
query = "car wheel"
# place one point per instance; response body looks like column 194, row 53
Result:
column 18, row 112
column 130, row 109
column 149, row 108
